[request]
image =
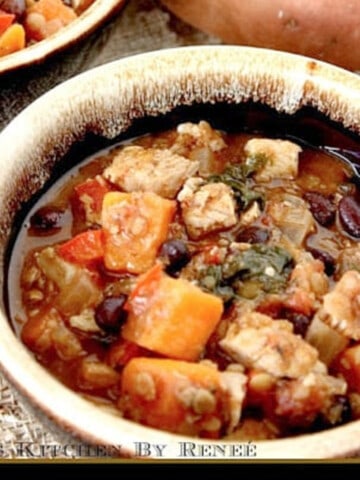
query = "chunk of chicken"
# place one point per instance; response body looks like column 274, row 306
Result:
column 341, row 306
column 198, row 142
column 281, row 158
column 159, row 171
column 234, row 385
column 206, row 207
column 269, row 345
column 309, row 275
column 308, row 284
column 250, row 319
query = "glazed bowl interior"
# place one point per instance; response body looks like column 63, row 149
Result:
column 145, row 93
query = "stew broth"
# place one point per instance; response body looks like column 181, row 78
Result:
column 211, row 290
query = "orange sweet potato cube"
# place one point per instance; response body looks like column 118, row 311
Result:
column 12, row 40
column 171, row 316
column 173, row 395
column 135, row 225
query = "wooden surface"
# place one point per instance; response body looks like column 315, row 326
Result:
column 143, row 25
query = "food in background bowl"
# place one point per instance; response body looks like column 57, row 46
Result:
column 32, row 30
column 205, row 283
column 23, row 22
column 243, row 130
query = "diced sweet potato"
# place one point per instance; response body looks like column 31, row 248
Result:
column 172, row 395
column 171, row 316
column 135, row 225
column 12, row 40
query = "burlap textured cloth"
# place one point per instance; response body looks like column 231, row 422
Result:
column 141, row 26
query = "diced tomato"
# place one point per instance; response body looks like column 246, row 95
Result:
column 212, row 255
column 272, row 305
column 88, row 199
column 85, row 248
column 6, row 19
column 348, row 366
column 146, row 286
column 300, row 301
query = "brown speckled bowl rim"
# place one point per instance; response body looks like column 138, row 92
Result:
column 91, row 19
column 106, row 100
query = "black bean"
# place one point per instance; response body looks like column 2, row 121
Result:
column 46, row 218
column 300, row 322
column 253, row 235
column 339, row 412
column 321, row 207
column 16, row 7
column 327, row 259
column 349, row 215
column 110, row 313
column 175, row 255
column 344, row 403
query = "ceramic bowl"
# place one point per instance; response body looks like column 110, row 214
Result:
column 128, row 97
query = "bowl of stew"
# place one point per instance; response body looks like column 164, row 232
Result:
column 181, row 259
column 33, row 30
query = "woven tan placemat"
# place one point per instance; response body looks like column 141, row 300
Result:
column 143, row 25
